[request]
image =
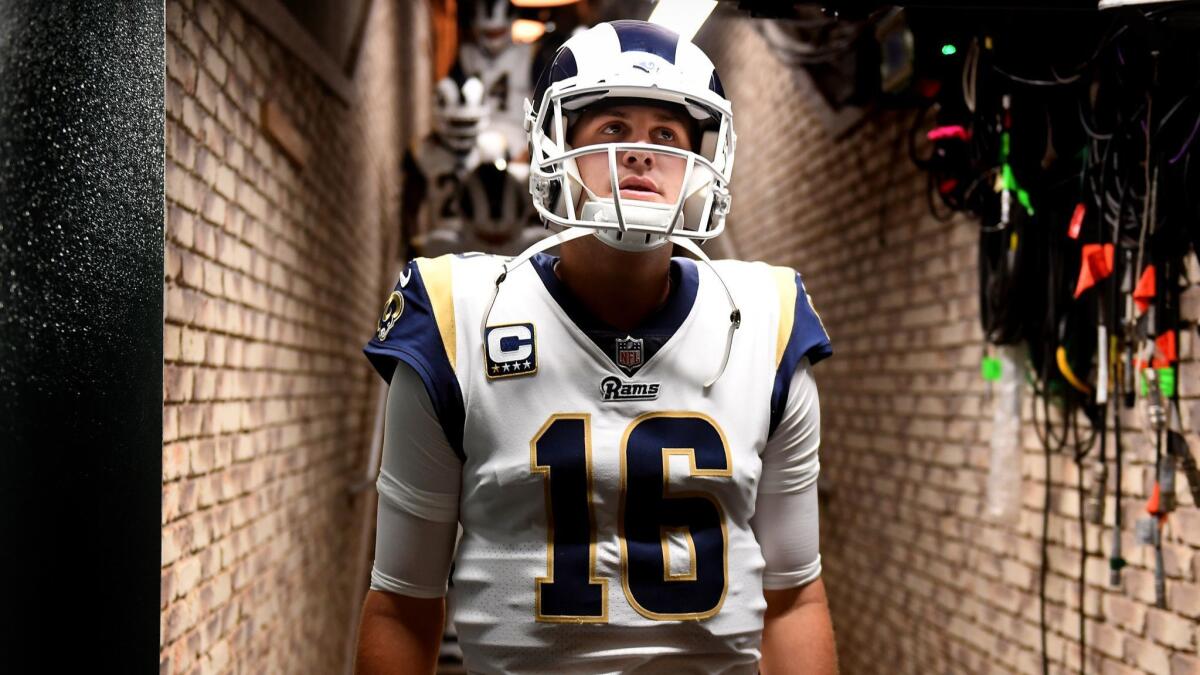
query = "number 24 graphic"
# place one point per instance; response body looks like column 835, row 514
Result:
column 571, row 592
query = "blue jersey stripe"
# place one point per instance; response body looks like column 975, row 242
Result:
column 415, row 339
column 808, row 338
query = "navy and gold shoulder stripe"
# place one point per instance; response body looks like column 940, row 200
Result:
column 801, row 333
column 418, row 328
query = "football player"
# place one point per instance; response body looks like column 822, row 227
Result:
column 628, row 439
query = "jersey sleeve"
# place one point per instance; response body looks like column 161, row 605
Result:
column 801, row 335
column 786, row 513
column 790, row 459
column 787, row 527
column 419, row 484
column 418, row 328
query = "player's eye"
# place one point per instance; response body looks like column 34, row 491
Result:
column 666, row 134
column 611, row 129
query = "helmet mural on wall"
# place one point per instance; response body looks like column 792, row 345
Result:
column 493, row 25
column 460, row 112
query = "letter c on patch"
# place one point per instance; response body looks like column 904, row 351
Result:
column 510, row 343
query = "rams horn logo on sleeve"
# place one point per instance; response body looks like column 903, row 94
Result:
column 510, row 350
column 392, row 310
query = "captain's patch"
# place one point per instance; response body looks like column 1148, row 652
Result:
column 510, row 350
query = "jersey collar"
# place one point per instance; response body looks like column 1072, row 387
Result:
column 656, row 328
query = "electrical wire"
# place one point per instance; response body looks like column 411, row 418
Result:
column 1080, row 454
column 970, row 74
column 1122, row 133
column 1078, row 71
column 1095, row 135
column 1034, row 82
column 1045, row 550
column 1186, row 144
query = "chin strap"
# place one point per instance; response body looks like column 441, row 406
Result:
column 513, row 263
column 735, row 315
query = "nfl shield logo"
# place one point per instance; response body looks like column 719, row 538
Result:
column 629, row 354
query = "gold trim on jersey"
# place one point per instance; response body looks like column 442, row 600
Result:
column 693, row 471
column 808, row 299
column 544, row 470
column 665, row 533
column 785, row 281
column 436, row 273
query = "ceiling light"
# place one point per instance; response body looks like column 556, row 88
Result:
column 526, row 31
column 682, row 16
column 542, row 3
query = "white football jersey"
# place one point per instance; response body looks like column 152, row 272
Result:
column 606, row 494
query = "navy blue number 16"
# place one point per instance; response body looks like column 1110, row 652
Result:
column 648, row 514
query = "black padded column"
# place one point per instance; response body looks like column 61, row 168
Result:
column 81, row 309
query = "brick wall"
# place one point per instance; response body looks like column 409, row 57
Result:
column 920, row 580
column 274, row 276
column 274, row 272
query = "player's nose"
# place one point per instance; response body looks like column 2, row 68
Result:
column 639, row 158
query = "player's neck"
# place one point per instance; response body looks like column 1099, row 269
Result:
column 618, row 287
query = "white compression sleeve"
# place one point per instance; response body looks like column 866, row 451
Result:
column 786, row 518
column 418, row 486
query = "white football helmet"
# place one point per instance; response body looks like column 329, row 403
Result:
column 630, row 61
column 625, row 61
column 459, row 113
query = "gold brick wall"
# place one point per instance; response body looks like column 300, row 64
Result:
column 275, row 274
column 920, row 580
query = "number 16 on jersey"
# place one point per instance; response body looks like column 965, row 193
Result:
column 649, row 512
